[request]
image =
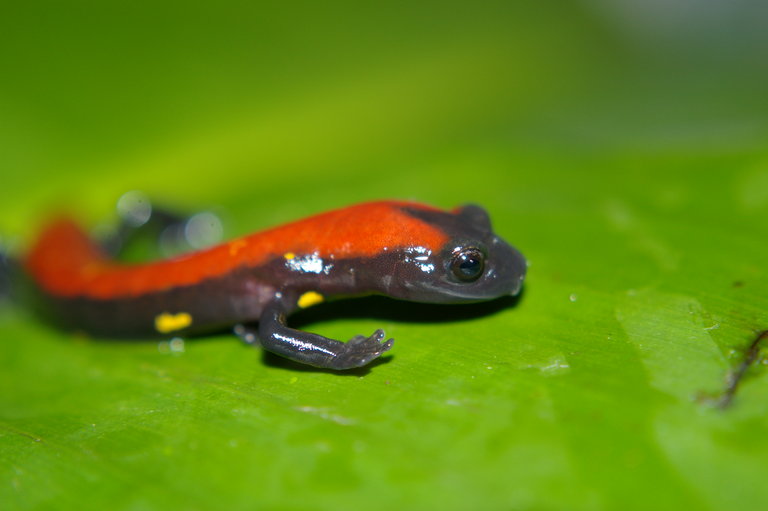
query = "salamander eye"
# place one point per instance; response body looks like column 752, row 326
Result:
column 468, row 264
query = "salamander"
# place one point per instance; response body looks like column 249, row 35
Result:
column 404, row 250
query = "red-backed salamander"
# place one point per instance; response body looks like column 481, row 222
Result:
column 403, row 250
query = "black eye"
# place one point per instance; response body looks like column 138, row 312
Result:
column 468, row 264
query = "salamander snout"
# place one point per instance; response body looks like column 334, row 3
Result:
column 520, row 267
column 506, row 270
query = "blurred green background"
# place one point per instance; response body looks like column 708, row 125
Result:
column 620, row 145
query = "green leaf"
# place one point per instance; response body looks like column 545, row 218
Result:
column 626, row 160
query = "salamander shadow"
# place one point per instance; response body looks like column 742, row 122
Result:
column 385, row 309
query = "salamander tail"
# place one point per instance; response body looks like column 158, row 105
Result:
column 8, row 266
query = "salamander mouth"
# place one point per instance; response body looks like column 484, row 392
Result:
column 493, row 286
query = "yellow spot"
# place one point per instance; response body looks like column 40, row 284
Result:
column 309, row 299
column 236, row 246
column 167, row 322
column 289, row 255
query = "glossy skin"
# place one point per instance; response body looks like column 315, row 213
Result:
column 404, row 250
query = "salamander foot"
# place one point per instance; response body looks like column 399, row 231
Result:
column 360, row 350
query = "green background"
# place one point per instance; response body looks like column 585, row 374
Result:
column 621, row 146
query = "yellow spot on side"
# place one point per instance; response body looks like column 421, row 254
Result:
column 289, row 255
column 309, row 299
column 167, row 322
column 236, row 246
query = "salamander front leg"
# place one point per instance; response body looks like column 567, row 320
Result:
column 309, row 348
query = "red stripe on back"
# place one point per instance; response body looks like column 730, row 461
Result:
column 64, row 261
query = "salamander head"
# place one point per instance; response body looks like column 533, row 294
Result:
column 474, row 264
